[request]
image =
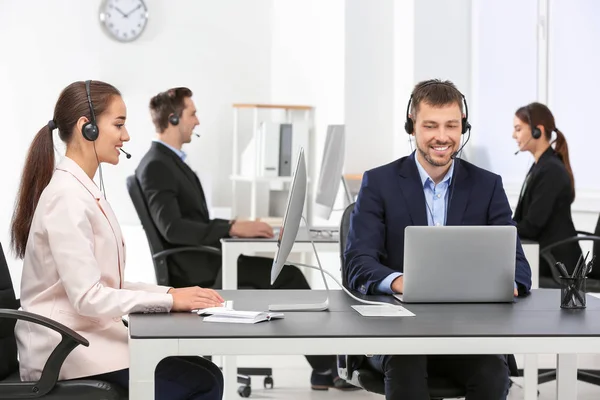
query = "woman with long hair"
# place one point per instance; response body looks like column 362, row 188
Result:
column 543, row 213
column 74, row 255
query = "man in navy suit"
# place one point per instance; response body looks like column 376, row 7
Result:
column 429, row 187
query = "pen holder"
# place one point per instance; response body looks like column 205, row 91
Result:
column 572, row 293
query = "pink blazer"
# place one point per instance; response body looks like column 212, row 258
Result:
column 73, row 273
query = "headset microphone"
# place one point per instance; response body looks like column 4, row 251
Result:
column 526, row 143
column 455, row 154
column 126, row 153
column 196, row 134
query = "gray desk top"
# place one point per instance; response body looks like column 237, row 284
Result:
column 319, row 235
column 538, row 315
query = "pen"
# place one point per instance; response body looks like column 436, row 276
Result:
column 563, row 270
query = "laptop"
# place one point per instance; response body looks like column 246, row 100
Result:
column 459, row 264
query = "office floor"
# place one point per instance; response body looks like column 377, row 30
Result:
column 291, row 377
column 292, row 384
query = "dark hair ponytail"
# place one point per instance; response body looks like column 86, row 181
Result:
column 562, row 149
column 71, row 105
column 39, row 167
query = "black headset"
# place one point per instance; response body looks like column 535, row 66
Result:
column 409, row 124
column 90, row 129
column 536, row 133
column 174, row 119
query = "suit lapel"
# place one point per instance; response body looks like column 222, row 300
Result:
column 412, row 191
column 459, row 195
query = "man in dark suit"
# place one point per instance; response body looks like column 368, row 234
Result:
column 429, row 187
column 179, row 210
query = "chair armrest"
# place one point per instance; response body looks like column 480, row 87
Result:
column 70, row 340
column 200, row 249
column 574, row 239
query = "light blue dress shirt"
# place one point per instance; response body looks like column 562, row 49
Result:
column 179, row 153
column 436, row 202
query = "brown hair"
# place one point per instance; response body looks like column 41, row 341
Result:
column 166, row 103
column 71, row 105
column 536, row 114
column 436, row 93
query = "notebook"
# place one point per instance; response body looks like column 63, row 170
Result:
column 228, row 315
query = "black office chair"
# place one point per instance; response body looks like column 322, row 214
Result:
column 355, row 369
column 160, row 257
column 553, row 281
column 592, row 285
column 48, row 386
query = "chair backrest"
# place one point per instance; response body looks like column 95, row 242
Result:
column 153, row 236
column 344, row 229
column 8, row 344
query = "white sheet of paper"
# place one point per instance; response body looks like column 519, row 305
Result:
column 382, row 311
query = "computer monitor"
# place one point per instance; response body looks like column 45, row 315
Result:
column 330, row 176
column 289, row 231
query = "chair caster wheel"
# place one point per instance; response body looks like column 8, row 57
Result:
column 244, row 391
column 268, row 382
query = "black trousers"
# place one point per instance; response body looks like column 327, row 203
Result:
column 178, row 378
column 485, row 377
column 255, row 273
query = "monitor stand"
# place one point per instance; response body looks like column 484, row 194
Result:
column 323, row 306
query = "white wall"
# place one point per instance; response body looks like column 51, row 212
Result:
column 504, row 79
column 369, row 84
column 573, row 42
column 307, row 67
column 220, row 49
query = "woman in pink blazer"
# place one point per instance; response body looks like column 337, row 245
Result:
column 74, row 255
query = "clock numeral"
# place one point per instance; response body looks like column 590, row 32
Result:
column 139, row 25
column 111, row 25
column 133, row 32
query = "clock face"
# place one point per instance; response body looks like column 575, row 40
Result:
column 124, row 19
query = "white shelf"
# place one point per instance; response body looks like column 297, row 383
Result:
column 268, row 179
column 292, row 113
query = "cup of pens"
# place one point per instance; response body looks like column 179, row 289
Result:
column 572, row 287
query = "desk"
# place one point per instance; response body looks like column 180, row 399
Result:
column 533, row 325
column 232, row 248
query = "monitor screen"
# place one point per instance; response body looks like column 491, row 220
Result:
column 331, row 171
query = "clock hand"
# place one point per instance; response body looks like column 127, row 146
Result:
column 137, row 8
column 122, row 13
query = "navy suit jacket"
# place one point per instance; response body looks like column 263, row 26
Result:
column 391, row 198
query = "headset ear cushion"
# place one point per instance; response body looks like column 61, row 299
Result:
column 465, row 126
column 408, row 126
column 536, row 133
column 174, row 119
column 89, row 131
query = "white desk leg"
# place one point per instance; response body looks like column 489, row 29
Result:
column 144, row 356
column 566, row 377
column 530, row 375
column 230, row 378
column 230, row 273
column 229, row 267
column 532, row 254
